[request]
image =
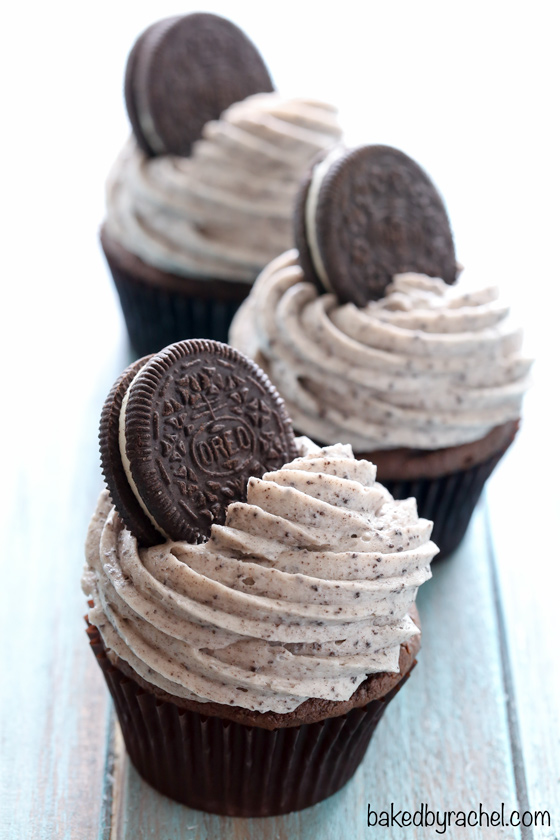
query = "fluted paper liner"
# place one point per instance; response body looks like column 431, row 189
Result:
column 156, row 316
column 225, row 767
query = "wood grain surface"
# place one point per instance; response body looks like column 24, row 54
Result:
column 521, row 512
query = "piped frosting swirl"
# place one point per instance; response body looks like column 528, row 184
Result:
column 304, row 591
column 427, row 366
column 226, row 210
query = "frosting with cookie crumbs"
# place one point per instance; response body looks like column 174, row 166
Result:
column 427, row 366
column 304, row 591
column 226, row 210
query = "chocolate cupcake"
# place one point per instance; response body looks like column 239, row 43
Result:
column 200, row 199
column 422, row 376
column 249, row 666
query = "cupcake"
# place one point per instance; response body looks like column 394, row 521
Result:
column 201, row 197
column 250, row 652
column 372, row 340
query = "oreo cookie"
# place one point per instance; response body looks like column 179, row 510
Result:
column 111, row 462
column 182, row 432
column 367, row 214
column 184, row 71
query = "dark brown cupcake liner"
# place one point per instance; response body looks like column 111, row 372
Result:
column 224, row 767
column 157, row 317
column 160, row 313
column 448, row 500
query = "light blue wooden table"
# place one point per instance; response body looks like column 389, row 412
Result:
column 470, row 95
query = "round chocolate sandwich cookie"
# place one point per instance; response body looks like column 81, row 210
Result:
column 114, row 473
column 305, row 257
column 183, row 72
column 129, row 80
column 367, row 214
column 195, row 423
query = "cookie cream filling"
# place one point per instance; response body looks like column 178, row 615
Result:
column 126, row 461
column 226, row 210
column 427, row 366
column 304, row 591
column 317, row 178
column 147, row 124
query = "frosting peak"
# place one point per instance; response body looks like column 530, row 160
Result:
column 304, row 591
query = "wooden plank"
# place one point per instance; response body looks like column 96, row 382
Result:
column 444, row 740
column 54, row 708
column 54, row 723
column 524, row 500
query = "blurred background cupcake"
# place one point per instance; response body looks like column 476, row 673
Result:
column 424, row 376
column 200, row 199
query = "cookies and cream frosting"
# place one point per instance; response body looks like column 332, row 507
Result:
column 226, row 210
column 304, row 591
column 427, row 366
